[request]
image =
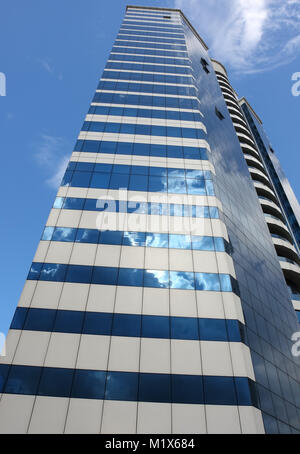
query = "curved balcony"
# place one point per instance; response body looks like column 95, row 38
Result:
column 248, row 149
column 244, row 139
column 230, row 98
column 258, row 175
column 291, row 270
column 242, row 129
column 285, row 249
column 277, row 226
column 231, row 107
column 253, row 162
column 227, row 91
column 265, row 191
column 222, row 77
column 270, row 207
column 238, row 120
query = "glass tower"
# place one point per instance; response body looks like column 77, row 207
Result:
column 157, row 300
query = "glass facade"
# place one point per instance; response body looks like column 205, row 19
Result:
column 155, row 302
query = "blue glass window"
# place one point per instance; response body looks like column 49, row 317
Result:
column 212, row 330
column 219, row 391
column 64, row 234
column 156, row 279
column 4, row 368
column 87, row 236
column 100, row 180
column 182, row 280
column 126, row 325
column 203, row 243
column 208, row 282
column 23, row 380
column 56, row 382
column 134, row 239
column 97, row 323
column 111, row 237
column 105, row 276
column 160, row 240
column 184, row 328
column 88, row 384
column 187, row 389
column 68, row 322
column 19, row 318
column 121, row 386
column 47, row 234
column 79, row 273
column 244, row 395
column 81, row 179
column 155, row 388
column 35, row 271
column 131, row 277
column 155, row 327
column 180, row 241
column 72, row 203
column 40, row 320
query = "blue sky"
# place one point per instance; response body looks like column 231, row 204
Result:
column 53, row 53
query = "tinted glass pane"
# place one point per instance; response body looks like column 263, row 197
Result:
column 155, row 327
column 87, row 236
column 203, row 243
column 19, row 318
column 64, row 234
column 184, row 328
column 207, row 282
column 187, row 389
column 180, row 241
column 155, row 388
column 130, row 277
column 105, row 276
column 158, row 279
column 68, row 322
column 243, row 391
column 219, row 391
column 88, row 384
column 79, row 273
column 40, row 319
column 212, row 329
column 35, row 270
column 111, row 237
column 233, row 329
column 182, row 280
column 97, row 323
column 23, row 380
column 121, row 386
column 134, row 239
column 4, row 368
column 56, row 382
column 53, row 272
column 47, row 234
column 126, row 325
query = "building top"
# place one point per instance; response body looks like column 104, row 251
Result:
column 176, row 11
column 219, row 66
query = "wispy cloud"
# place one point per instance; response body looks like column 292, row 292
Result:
column 49, row 67
column 247, row 35
column 50, row 154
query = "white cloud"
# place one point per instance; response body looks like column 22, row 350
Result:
column 50, row 154
column 247, row 35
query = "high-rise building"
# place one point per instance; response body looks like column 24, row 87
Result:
column 160, row 298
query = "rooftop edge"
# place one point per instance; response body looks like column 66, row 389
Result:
column 174, row 10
